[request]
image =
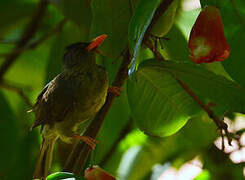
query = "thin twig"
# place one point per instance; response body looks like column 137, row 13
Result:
column 17, row 90
column 33, row 45
column 58, row 27
column 79, row 155
column 30, row 30
column 156, row 53
column 123, row 134
column 221, row 124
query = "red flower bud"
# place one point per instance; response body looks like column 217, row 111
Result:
column 207, row 42
column 97, row 173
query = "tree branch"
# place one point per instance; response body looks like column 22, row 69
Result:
column 17, row 90
column 221, row 124
column 156, row 53
column 33, row 45
column 30, row 30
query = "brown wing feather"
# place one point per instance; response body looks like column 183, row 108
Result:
column 53, row 103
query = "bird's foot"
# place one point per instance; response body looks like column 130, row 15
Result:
column 115, row 90
column 88, row 140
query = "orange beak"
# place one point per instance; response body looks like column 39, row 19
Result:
column 96, row 42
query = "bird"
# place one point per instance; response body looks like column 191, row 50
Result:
column 73, row 97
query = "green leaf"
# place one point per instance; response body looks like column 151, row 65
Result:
column 233, row 16
column 139, row 23
column 166, row 20
column 63, row 175
column 176, row 47
column 78, row 11
column 204, row 175
column 158, row 103
column 160, row 106
column 207, row 85
column 112, row 18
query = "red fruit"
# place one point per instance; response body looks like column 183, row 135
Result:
column 97, row 173
column 207, row 42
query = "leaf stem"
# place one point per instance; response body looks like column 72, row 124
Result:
column 154, row 50
column 33, row 45
column 221, row 124
column 17, row 90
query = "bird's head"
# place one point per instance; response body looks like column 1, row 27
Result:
column 82, row 54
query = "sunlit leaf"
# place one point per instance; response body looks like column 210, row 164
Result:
column 158, row 103
column 160, row 106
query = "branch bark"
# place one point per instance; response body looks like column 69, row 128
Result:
column 17, row 90
column 30, row 30
column 79, row 155
column 35, row 44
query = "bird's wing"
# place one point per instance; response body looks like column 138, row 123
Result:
column 53, row 103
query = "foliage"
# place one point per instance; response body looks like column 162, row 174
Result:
column 176, row 128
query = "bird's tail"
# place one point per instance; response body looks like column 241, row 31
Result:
column 44, row 159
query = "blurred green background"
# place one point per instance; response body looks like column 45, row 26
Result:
column 123, row 150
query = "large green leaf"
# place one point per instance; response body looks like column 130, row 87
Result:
column 176, row 47
column 112, row 18
column 160, row 106
column 166, row 20
column 139, row 23
column 158, row 103
column 233, row 16
column 207, row 85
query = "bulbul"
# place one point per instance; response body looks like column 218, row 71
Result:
column 71, row 98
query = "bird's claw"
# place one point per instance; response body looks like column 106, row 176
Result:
column 115, row 90
column 88, row 140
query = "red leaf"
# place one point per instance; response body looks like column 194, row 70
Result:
column 207, row 42
column 97, row 173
